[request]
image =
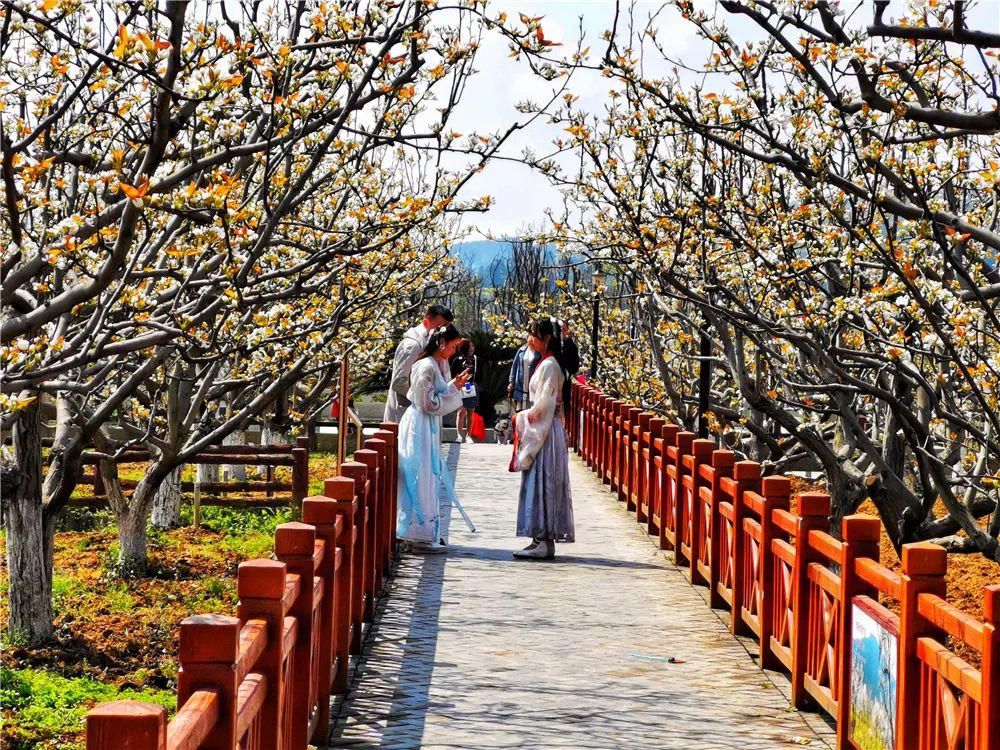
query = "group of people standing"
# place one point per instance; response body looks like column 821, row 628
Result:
column 431, row 368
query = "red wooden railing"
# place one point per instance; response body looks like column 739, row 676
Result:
column 263, row 679
column 791, row 585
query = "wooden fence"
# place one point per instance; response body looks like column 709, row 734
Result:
column 275, row 493
column 263, row 679
column 792, row 586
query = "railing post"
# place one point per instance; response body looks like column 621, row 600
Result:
column 642, row 444
column 371, row 459
column 619, row 476
column 685, row 441
column 776, row 492
column 341, row 489
column 631, row 457
column 321, row 513
column 924, row 569
column 813, row 512
column 860, row 535
column 393, row 429
column 294, row 545
column 990, row 669
column 127, row 724
column 209, row 650
column 597, row 439
column 670, row 432
column 722, row 463
column 358, row 473
column 701, row 451
column 605, row 458
column 381, row 471
column 300, row 475
column 747, row 476
column 261, row 588
column 388, row 513
column 652, row 478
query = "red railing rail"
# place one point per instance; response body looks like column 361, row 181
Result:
column 263, row 679
column 792, row 585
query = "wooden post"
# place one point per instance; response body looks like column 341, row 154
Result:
column 990, row 669
column 860, row 540
column 722, row 463
column 701, row 453
column 322, row 514
column 127, row 724
column 924, row 569
column 197, row 502
column 747, row 476
column 670, row 432
column 358, row 472
column 618, row 479
column 389, row 501
column 685, row 440
column 261, row 587
column 814, row 512
column 605, row 457
column 631, row 457
column 652, row 477
column 776, row 491
column 341, row 489
column 642, row 460
column 300, row 475
column 381, row 507
column 393, row 428
column 372, row 460
column 209, row 651
column 294, row 545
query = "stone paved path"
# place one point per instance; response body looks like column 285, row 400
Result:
column 477, row 650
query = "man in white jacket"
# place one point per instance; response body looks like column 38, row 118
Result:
column 407, row 352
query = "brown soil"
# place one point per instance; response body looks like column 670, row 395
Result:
column 966, row 577
column 120, row 631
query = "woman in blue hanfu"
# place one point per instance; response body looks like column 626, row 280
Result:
column 421, row 467
column 545, row 507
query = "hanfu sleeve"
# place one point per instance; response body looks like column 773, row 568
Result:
column 532, row 434
column 430, row 393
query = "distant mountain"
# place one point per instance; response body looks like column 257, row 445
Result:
column 479, row 255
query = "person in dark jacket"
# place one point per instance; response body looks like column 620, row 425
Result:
column 571, row 361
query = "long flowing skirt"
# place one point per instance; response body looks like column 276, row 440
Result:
column 420, row 464
column 545, row 508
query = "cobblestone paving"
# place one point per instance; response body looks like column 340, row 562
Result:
column 477, row 650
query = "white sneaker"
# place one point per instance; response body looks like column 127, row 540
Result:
column 468, row 439
column 545, row 550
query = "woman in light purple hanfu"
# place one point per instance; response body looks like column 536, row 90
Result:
column 545, row 507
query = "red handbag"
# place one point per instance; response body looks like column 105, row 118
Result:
column 512, row 466
column 478, row 427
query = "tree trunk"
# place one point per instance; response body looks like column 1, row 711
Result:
column 271, row 434
column 29, row 537
column 208, row 472
column 167, row 502
column 132, row 543
column 235, row 472
column 130, row 516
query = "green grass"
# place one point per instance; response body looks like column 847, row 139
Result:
column 64, row 589
column 47, row 711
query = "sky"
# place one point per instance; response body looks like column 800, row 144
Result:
column 521, row 196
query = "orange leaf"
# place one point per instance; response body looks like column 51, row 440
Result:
column 137, row 192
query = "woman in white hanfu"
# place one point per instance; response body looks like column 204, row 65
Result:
column 545, row 507
column 421, row 465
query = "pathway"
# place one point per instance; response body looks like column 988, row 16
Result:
column 477, row 650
